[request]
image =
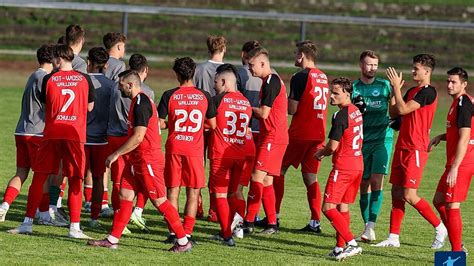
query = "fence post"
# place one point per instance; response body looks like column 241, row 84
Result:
column 125, row 23
column 302, row 31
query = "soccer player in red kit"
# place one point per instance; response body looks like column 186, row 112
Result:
column 145, row 166
column 67, row 95
column 273, row 140
column 227, row 146
column 345, row 144
column 307, row 102
column 417, row 109
column 456, row 179
column 188, row 110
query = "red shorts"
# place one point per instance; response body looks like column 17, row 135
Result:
column 407, row 168
column 225, row 175
column 269, row 158
column 184, row 171
column 146, row 178
column 247, row 171
column 95, row 159
column 26, row 149
column 342, row 186
column 255, row 136
column 52, row 151
column 302, row 152
column 118, row 166
column 458, row 193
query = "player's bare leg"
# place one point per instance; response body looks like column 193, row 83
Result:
column 371, row 201
column 313, row 195
column 13, row 189
column 190, row 209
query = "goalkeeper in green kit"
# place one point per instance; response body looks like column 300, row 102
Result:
column 373, row 96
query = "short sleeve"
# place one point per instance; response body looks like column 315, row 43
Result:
column 211, row 107
column 426, row 96
column 298, row 84
column 464, row 112
column 91, row 96
column 42, row 93
column 339, row 124
column 270, row 90
column 163, row 105
column 142, row 111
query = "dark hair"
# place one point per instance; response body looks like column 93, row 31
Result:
column 62, row 40
column 308, row 48
column 63, row 51
column 425, row 60
column 250, row 45
column 74, row 33
column 367, row 53
column 98, row 56
column 459, row 71
column 138, row 62
column 130, row 75
column 345, row 83
column 44, row 54
column 184, row 68
column 112, row 38
column 226, row 68
column 258, row 51
column 216, row 44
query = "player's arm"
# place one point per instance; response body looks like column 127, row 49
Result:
column 464, row 124
column 400, row 107
column 328, row 150
column 339, row 124
column 436, row 140
column 270, row 91
column 131, row 144
column 211, row 112
column 297, row 86
column 162, row 109
column 91, row 95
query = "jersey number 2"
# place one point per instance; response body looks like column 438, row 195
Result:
column 357, row 138
column 69, row 101
column 321, row 99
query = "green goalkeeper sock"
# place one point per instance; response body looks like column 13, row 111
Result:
column 54, row 192
column 364, row 206
column 376, row 199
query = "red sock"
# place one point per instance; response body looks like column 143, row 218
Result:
column 44, row 204
column 141, row 200
column 222, row 207
column 116, row 176
column 35, row 193
column 172, row 219
column 424, row 208
column 340, row 224
column 268, row 200
column 236, row 206
column 121, row 218
column 105, row 197
column 63, row 187
column 116, row 196
column 314, row 200
column 189, row 224
column 442, row 212
column 75, row 199
column 87, row 193
column 455, row 229
column 10, row 195
column 279, row 187
column 340, row 242
column 212, row 202
column 396, row 216
column 254, row 199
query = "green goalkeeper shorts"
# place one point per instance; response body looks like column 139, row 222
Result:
column 376, row 158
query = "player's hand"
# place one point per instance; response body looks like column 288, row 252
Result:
column 452, row 176
column 433, row 143
column 360, row 103
column 396, row 80
column 318, row 155
column 111, row 159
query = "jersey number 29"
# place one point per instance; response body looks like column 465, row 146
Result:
column 195, row 116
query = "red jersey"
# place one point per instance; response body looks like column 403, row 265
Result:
column 347, row 129
column 186, row 108
column 459, row 116
column 143, row 113
column 228, row 139
column 310, row 88
column 274, row 129
column 250, row 150
column 66, row 95
column 416, row 126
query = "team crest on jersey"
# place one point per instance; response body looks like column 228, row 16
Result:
column 375, row 93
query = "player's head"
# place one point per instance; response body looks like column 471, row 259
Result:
column 423, row 66
column 139, row 63
column 246, row 48
column 115, row 42
column 368, row 63
column 305, row 51
column 226, row 78
column 44, row 54
column 75, row 36
column 62, row 40
column 184, row 68
column 457, row 81
column 63, row 53
column 259, row 62
column 216, row 44
column 97, row 60
column 341, row 90
column 129, row 82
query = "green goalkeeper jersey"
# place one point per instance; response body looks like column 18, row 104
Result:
column 376, row 118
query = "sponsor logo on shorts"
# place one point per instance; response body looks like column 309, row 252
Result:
column 449, row 194
column 251, row 196
column 259, row 163
column 326, row 195
column 413, row 181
